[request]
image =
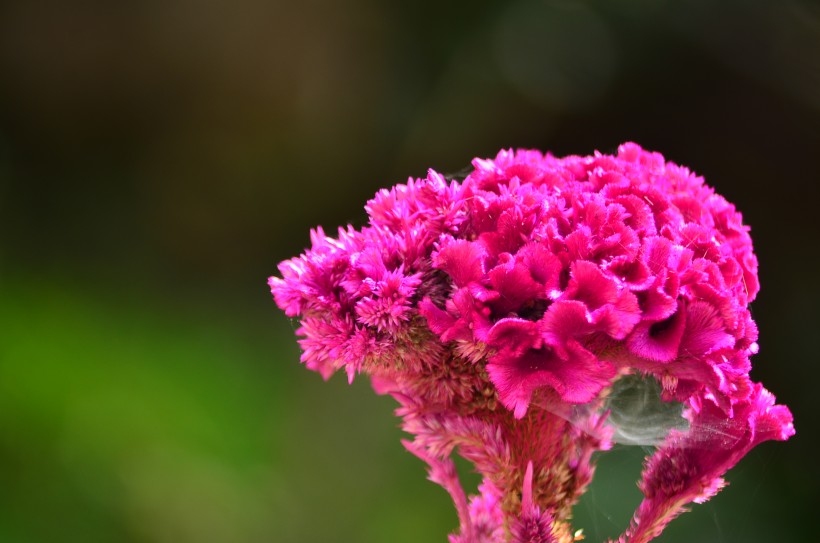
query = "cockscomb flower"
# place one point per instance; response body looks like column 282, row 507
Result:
column 510, row 313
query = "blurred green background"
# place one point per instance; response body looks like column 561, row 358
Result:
column 158, row 158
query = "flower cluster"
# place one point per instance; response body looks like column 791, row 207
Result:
column 493, row 308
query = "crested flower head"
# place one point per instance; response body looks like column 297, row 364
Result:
column 499, row 311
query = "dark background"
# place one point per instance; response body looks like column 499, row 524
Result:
column 158, row 158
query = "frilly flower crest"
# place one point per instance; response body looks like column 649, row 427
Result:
column 502, row 311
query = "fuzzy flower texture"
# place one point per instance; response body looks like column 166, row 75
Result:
column 499, row 312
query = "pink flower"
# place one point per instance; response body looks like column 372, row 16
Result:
column 500, row 310
column 689, row 467
column 532, row 525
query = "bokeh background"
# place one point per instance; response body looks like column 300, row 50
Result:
column 158, row 158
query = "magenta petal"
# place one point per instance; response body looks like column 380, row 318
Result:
column 462, row 260
column 514, row 336
column 640, row 215
column 474, row 316
column 704, row 332
column 482, row 294
column 578, row 379
column 771, row 422
column 656, row 252
column 583, row 375
column 635, row 273
column 657, row 305
column 511, row 230
column 565, row 319
column 659, row 341
column 514, row 284
column 517, row 377
column 464, row 318
column 438, row 320
column 619, row 319
column 544, row 266
column 590, row 285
